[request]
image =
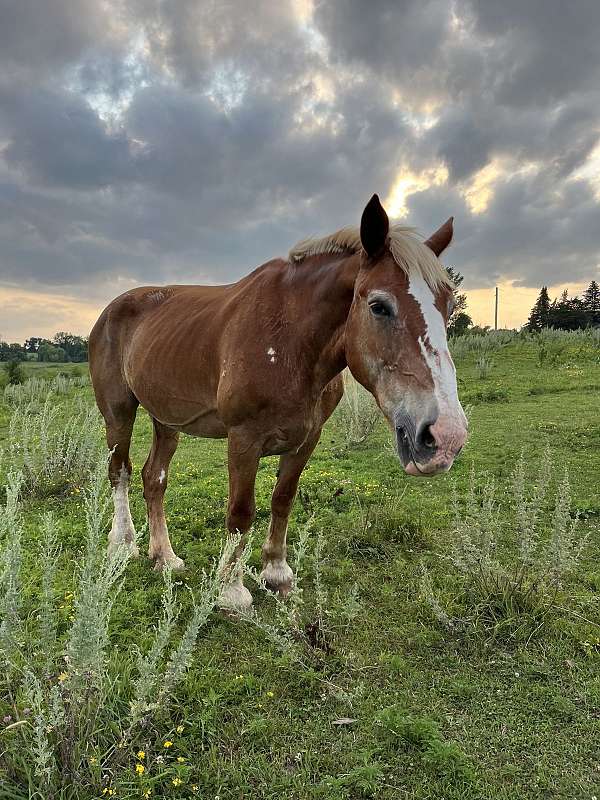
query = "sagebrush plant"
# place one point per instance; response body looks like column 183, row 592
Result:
column 298, row 625
column 513, row 552
column 483, row 366
column 357, row 412
column 58, row 684
column 34, row 391
column 51, row 453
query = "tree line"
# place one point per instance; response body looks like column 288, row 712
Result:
column 62, row 347
column 566, row 313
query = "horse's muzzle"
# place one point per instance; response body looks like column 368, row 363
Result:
column 430, row 447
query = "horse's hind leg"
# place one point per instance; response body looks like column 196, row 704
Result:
column 119, row 417
column 154, row 475
column 243, row 457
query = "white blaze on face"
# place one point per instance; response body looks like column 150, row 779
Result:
column 434, row 346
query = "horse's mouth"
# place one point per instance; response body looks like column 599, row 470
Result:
column 426, row 462
column 403, row 447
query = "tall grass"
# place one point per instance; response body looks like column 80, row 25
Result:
column 357, row 413
column 52, row 453
column 547, row 339
column 513, row 555
column 70, row 732
column 35, row 390
column 481, row 342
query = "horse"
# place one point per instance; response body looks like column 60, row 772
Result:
column 259, row 362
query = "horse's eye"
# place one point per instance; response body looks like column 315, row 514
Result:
column 379, row 309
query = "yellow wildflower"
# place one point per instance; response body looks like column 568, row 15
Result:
column 93, row 760
column 168, row 744
column 147, row 793
column 270, row 694
column 176, row 781
column 179, row 729
column 141, row 755
column 194, row 788
column 181, row 759
column 140, row 769
column 63, row 676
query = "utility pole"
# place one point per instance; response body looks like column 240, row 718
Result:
column 496, row 312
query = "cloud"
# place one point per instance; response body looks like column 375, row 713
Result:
column 144, row 142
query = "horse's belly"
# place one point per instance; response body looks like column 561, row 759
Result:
column 208, row 426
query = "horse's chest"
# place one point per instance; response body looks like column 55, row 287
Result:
column 284, row 439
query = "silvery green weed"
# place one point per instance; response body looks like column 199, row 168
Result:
column 54, row 454
column 59, row 682
column 512, row 551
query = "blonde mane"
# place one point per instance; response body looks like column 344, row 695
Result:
column 408, row 251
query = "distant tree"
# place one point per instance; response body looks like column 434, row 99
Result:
column 49, row 352
column 460, row 324
column 459, row 321
column 591, row 303
column 75, row 347
column 479, row 329
column 567, row 313
column 32, row 345
column 12, row 352
column 540, row 313
column 15, row 373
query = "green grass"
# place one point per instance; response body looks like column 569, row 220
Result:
column 397, row 707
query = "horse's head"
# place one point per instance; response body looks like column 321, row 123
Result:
column 396, row 342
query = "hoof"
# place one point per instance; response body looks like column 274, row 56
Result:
column 169, row 560
column 235, row 598
column 278, row 577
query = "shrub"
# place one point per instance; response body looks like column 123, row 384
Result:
column 512, row 557
column 481, row 342
column 54, row 453
column 483, row 366
column 357, row 412
column 14, row 372
column 71, row 724
column 34, row 390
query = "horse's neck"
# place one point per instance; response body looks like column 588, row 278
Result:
column 326, row 286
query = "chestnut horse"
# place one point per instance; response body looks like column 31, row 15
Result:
column 259, row 362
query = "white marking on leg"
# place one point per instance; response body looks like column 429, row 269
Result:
column 277, row 573
column 122, row 530
column 160, row 549
column 234, row 596
column 162, row 476
column 272, row 353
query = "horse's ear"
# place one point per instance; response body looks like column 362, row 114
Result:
column 440, row 240
column 374, row 227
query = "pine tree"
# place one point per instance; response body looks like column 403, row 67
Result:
column 459, row 321
column 540, row 313
column 591, row 303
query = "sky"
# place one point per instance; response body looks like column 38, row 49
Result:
column 148, row 141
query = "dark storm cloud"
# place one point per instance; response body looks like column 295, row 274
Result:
column 56, row 139
column 148, row 141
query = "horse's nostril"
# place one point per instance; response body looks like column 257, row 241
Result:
column 427, row 438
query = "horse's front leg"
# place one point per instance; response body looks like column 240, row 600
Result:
column 243, row 456
column 277, row 573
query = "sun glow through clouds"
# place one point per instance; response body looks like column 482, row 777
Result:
column 408, row 183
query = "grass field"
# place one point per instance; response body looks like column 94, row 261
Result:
column 378, row 698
